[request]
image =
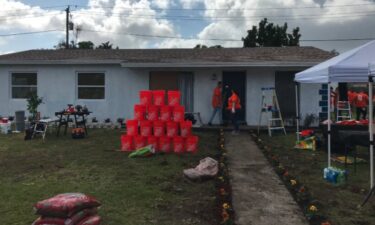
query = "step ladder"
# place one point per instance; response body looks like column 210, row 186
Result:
column 343, row 111
column 270, row 109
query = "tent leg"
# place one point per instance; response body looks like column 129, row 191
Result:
column 297, row 111
column 371, row 130
column 329, row 123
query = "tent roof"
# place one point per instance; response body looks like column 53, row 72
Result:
column 351, row 66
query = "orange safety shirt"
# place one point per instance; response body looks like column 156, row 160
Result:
column 234, row 98
column 216, row 98
column 351, row 97
column 361, row 100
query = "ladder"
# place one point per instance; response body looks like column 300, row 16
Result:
column 271, row 110
column 343, row 111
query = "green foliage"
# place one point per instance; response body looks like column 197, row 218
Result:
column 105, row 45
column 85, row 45
column 270, row 35
column 32, row 104
column 199, row 46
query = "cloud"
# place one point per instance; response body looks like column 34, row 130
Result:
column 111, row 20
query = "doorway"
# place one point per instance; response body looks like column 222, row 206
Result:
column 234, row 80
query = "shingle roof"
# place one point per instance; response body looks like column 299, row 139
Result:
column 209, row 55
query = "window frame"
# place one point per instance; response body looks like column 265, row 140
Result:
column 28, row 86
column 93, row 86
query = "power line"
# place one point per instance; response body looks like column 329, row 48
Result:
column 27, row 33
column 217, row 39
column 35, row 7
column 204, row 18
column 242, row 9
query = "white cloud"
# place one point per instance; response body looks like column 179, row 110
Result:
column 113, row 17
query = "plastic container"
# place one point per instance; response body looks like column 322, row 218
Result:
column 132, row 127
column 127, row 144
column 172, row 129
column 174, row 98
column 139, row 142
column 159, row 128
column 146, row 128
column 152, row 140
column 145, row 97
column 139, row 112
column 153, row 112
column 191, row 144
column 165, row 144
column 159, row 97
column 178, row 145
column 178, row 113
column 185, row 128
column 165, row 113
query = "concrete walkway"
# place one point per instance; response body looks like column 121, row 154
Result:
column 259, row 196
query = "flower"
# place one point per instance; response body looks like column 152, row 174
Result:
column 286, row 174
column 221, row 178
column 222, row 191
column 293, row 182
column 302, row 190
column 225, row 215
column 313, row 208
column 325, row 223
column 226, row 206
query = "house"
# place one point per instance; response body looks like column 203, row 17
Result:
column 108, row 81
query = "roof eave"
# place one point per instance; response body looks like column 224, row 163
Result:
column 219, row 64
column 59, row 62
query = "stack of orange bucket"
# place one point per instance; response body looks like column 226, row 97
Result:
column 159, row 123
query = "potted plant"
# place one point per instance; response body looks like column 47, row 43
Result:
column 32, row 105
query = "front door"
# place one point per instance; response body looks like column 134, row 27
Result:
column 234, row 80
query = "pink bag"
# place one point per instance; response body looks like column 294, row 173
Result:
column 65, row 205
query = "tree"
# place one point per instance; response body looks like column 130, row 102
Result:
column 85, row 45
column 200, row 46
column 105, row 45
column 270, row 35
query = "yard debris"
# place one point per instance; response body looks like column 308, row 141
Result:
column 207, row 168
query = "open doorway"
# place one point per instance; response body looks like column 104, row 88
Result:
column 235, row 80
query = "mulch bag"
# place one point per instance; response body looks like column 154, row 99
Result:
column 92, row 220
column 207, row 168
column 76, row 218
column 65, row 205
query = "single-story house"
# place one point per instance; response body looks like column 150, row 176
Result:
column 108, row 81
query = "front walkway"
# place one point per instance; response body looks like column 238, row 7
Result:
column 259, row 196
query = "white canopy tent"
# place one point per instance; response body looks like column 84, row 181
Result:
column 354, row 66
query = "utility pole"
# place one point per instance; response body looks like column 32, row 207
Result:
column 67, row 27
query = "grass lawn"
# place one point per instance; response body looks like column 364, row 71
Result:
column 132, row 191
column 339, row 203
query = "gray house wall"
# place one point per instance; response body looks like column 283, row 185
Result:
column 58, row 86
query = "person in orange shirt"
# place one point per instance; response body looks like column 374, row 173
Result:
column 217, row 103
column 234, row 106
column 361, row 102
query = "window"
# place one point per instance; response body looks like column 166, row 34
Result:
column 23, row 85
column 91, row 86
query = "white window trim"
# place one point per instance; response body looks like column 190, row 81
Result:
column 11, row 85
column 101, row 86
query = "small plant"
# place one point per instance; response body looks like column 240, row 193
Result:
column 309, row 119
column 32, row 105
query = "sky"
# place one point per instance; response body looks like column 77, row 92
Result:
column 181, row 23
